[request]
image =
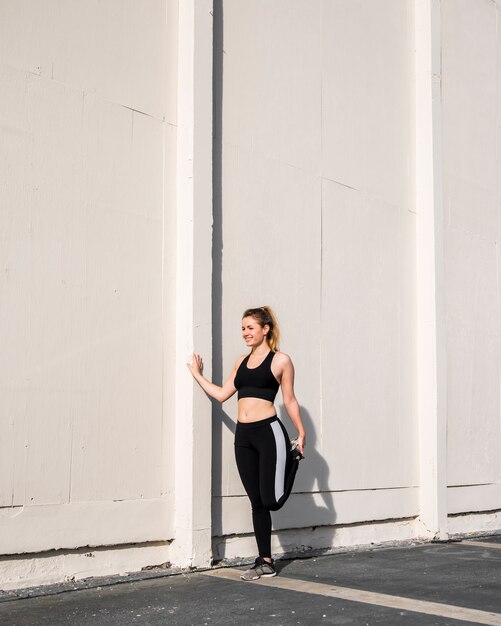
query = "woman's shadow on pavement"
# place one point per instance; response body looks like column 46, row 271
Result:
column 306, row 522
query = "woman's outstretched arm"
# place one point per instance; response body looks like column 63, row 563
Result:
column 214, row 391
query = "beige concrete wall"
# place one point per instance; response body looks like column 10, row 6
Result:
column 355, row 190
column 318, row 220
column 398, row 378
column 88, row 114
column 471, row 111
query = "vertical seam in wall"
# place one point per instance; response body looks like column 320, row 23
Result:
column 321, row 311
column 321, row 399
column 498, row 188
column 162, row 273
column 497, row 9
column 72, row 428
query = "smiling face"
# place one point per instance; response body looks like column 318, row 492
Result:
column 253, row 333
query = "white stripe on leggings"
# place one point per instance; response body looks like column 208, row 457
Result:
column 281, row 459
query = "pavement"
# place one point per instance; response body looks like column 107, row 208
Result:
column 454, row 583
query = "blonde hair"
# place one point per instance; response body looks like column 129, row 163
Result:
column 265, row 315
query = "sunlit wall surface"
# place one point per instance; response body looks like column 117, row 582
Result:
column 318, row 221
column 84, row 119
column 317, row 109
column 471, row 111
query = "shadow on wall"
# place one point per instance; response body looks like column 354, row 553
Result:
column 219, row 418
column 306, row 522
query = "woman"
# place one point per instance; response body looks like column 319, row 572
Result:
column 262, row 446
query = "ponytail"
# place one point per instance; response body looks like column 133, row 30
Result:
column 264, row 315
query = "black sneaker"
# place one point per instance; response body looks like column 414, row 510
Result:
column 261, row 568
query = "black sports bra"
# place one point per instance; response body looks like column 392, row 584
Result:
column 257, row 382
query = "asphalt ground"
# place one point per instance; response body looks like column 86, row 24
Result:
column 427, row 584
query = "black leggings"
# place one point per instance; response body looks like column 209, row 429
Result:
column 267, row 472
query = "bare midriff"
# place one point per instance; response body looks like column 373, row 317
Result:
column 254, row 409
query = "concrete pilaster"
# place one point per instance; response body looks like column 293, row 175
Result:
column 432, row 408
column 192, row 437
